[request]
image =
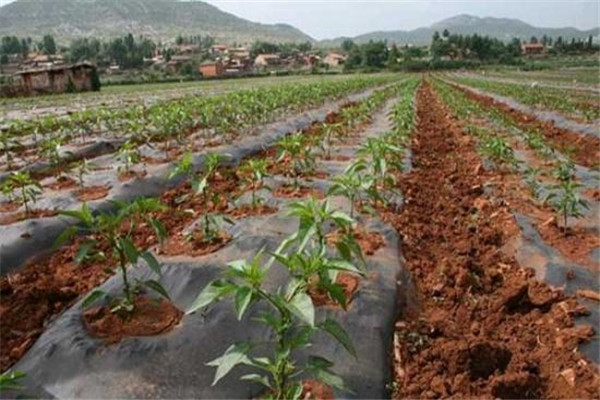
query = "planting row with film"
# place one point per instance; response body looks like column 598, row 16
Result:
column 554, row 201
column 283, row 286
column 580, row 106
column 111, row 97
column 577, row 78
column 202, row 120
column 111, row 174
column 551, row 177
column 581, row 145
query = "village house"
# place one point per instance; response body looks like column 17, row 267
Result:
column 210, row 69
column 57, row 79
column 218, row 49
column 267, row 60
column 532, row 48
column 177, row 61
column 334, row 59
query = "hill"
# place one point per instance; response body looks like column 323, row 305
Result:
column 159, row 19
column 501, row 28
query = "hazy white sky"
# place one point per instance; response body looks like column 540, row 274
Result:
column 330, row 18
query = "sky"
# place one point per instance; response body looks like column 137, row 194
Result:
column 332, row 18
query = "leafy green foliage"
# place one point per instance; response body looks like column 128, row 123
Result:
column 115, row 232
column 27, row 188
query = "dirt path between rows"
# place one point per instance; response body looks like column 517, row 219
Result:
column 485, row 327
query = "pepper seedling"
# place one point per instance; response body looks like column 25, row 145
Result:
column 116, row 232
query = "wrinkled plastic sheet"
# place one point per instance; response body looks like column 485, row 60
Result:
column 172, row 365
column 23, row 240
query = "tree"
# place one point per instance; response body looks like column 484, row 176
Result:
column 348, row 45
column 48, row 45
column 533, row 40
column 446, row 33
column 393, row 57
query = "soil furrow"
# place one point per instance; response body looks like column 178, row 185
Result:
column 486, row 327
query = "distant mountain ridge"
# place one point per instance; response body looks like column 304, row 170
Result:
column 165, row 19
column 501, row 28
column 159, row 19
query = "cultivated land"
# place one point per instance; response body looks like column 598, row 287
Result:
column 430, row 235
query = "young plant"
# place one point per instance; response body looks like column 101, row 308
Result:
column 351, row 183
column 291, row 318
column 115, row 232
column 129, row 155
column 567, row 202
column 83, row 167
column 329, row 132
column 7, row 145
column 211, row 226
column 27, row 188
column 498, row 150
column 300, row 155
column 253, row 173
column 534, row 185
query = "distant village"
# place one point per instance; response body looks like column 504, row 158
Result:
column 27, row 68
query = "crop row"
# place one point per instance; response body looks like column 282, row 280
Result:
column 575, row 105
column 122, row 238
column 563, row 193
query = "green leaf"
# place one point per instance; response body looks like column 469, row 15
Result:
column 159, row 228
column 83, row 251
column 343, row 265
column 92, row 298
column 334, row 329
column 157, row 287
column 236, row 354
column 67, row 234
column 301, row 306
column 263, row 380
column 318, row 367
column 243, row 297
column 130, row 250
column 152, row 262
column 213, row 291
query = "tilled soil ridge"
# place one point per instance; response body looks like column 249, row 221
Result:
column 485, row 327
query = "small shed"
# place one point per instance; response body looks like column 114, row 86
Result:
column 334, row 59
column 265, row 60
column 532, row 48
column 210, row 69
column 79, row 77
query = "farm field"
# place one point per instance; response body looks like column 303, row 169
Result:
column 356, row 236
column 116, row 96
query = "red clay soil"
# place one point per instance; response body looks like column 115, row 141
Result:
column 9, row 206
column 485, row 328
column 62, row 183
column 22, row 216
column 129, row 175
column 349, row 284
column 150, row 317
column 315, row 390
column 246, row 210
column 177, row 245
column 369, row 242
column 91, row 193
column 584, row 149
column 289, row 192
column 577, row 244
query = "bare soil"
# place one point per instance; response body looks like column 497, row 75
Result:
column 150, row 317
column 485, row 328
column 91, row 193
column 23, row 215
column 246, row 210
